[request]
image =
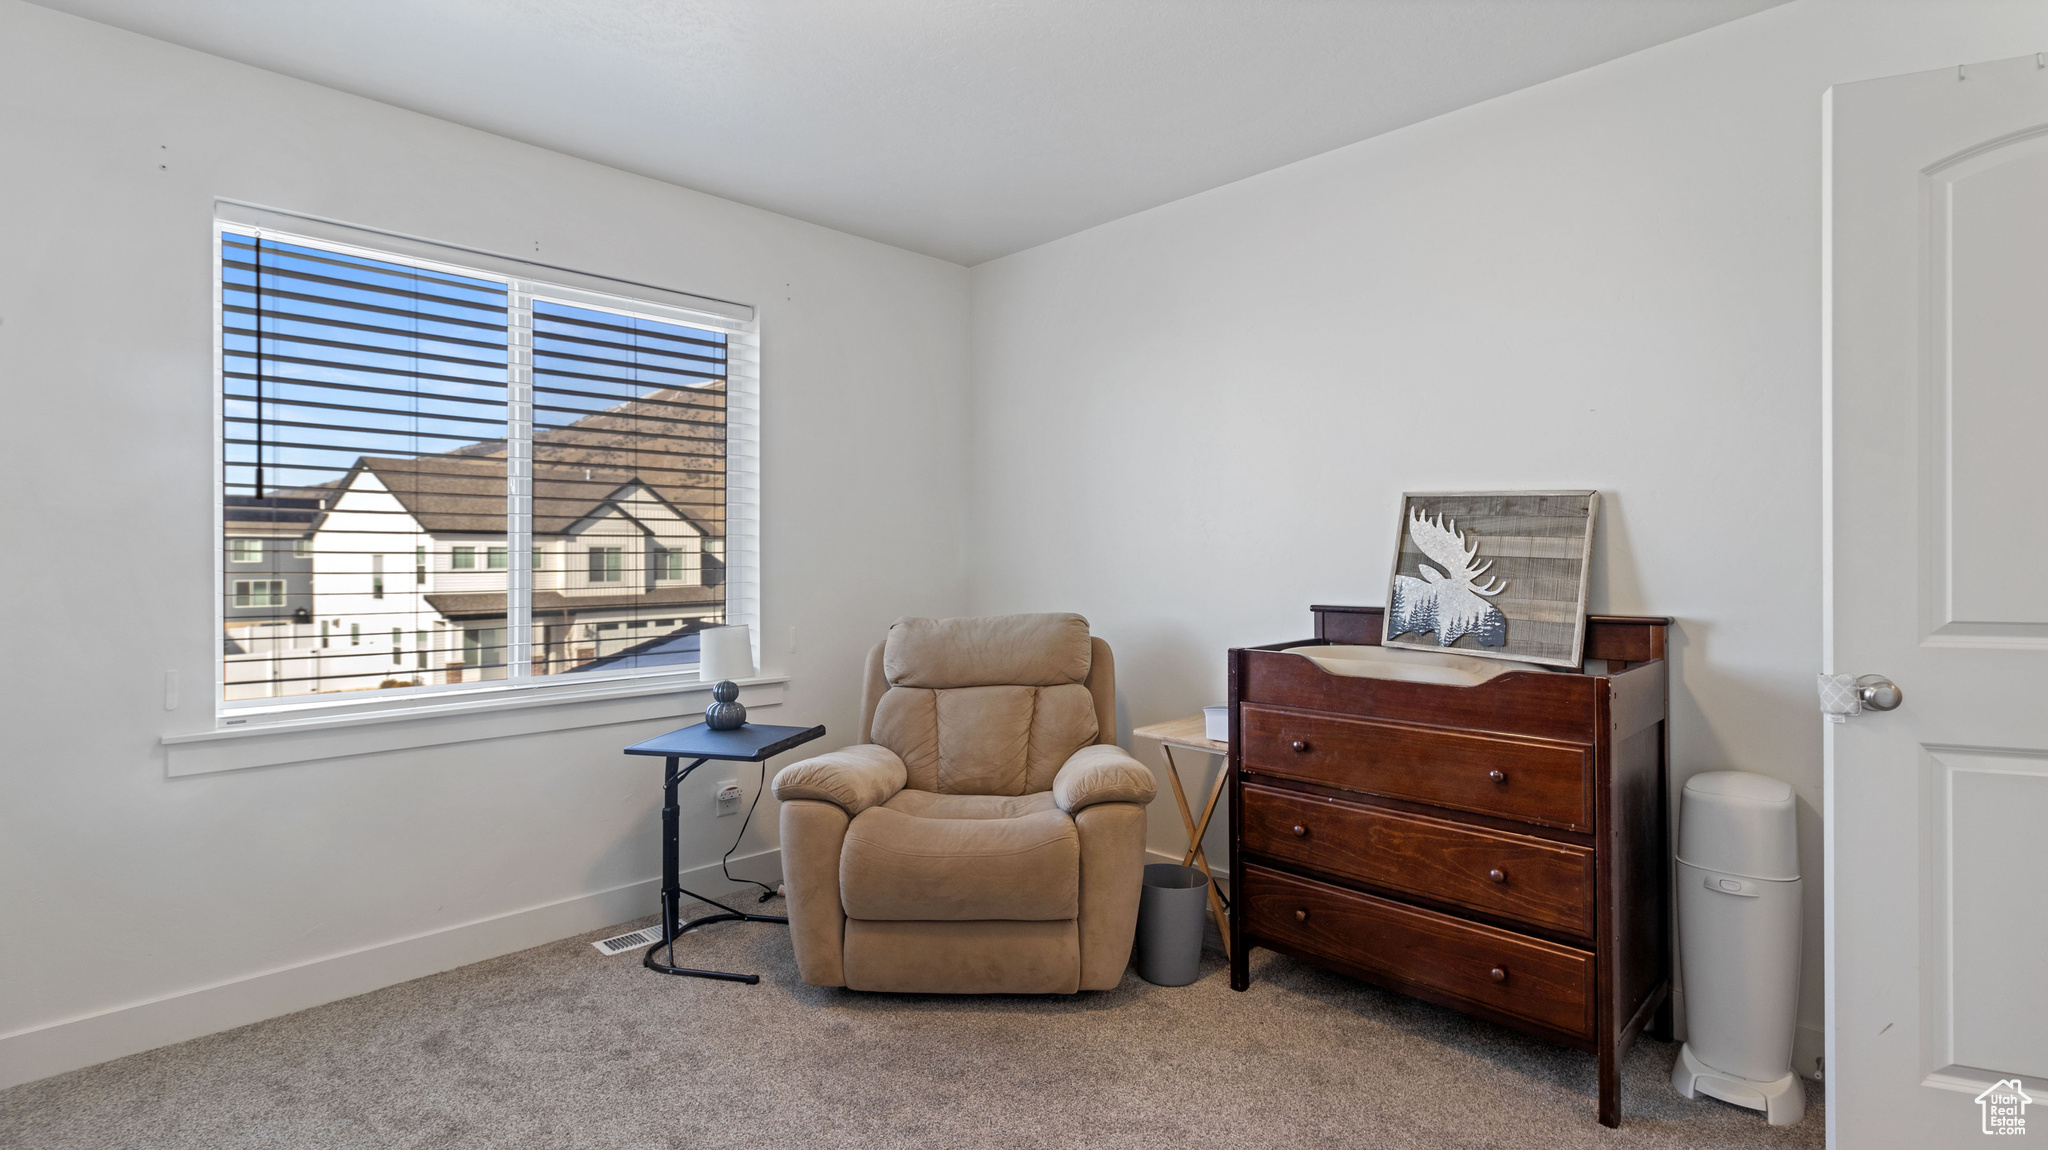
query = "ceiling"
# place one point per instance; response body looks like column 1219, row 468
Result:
column 964, row 129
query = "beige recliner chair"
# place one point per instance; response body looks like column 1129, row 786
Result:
column 986, row 835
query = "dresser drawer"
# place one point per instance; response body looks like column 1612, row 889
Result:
column 1516, row 975
column 1523, row 779
column 1527, row 879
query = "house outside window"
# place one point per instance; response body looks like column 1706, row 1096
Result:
column 494, row 400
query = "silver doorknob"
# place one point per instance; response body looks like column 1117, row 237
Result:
column 1878, row 693
column 1842, row 696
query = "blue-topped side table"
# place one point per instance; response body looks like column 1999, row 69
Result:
column 751, row 743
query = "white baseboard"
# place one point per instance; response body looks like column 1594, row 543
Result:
column 56, row 1047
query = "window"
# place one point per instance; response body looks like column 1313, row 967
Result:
column 605, row 564
column 484, row 647
column 259, row 593
column 668, row 564
column 380, row 395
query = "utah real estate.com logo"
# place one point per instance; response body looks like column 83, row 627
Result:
column 2005, row 1107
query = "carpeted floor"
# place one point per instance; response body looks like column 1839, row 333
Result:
column 561, row 1047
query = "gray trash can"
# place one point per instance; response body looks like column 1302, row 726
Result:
column 1170, row 914
column 1739, row 923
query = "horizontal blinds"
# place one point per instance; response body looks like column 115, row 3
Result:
column 363, row 415
column 629, row 453
column 365, row 477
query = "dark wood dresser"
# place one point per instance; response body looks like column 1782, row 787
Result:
column 1497, row 849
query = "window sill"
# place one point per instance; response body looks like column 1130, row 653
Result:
column 319, row 737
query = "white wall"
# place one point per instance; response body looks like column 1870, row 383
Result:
column 1192, row 423
column 121, row 887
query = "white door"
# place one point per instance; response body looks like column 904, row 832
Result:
column 1936, row 358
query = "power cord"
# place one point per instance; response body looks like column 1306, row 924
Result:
column 768, row 892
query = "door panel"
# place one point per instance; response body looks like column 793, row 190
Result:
column 1988, row 237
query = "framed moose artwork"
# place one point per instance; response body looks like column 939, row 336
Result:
column 1497, row 574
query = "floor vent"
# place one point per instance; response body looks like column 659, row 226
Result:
column 645, row 936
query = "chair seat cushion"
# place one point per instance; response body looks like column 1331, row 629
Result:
column 925, row 857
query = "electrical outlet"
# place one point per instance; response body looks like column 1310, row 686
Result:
column 728, row 795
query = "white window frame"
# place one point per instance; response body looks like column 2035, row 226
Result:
column 739, row 324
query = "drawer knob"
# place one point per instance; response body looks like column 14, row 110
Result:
column 1301, row 746
column 1497, row 875
column 1497, row 775
column 1301, row 916
column 1498, row 974
column 1300, row 832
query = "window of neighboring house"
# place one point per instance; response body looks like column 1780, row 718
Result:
column 259, row 593
column 374, row 401
column 397, row 645
column 668, row 563
column 323, row 633
column 483, row 647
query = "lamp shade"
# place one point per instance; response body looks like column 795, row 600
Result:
column 727, row 653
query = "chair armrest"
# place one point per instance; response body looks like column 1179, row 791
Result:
column 852, row 779
column 1102, row 773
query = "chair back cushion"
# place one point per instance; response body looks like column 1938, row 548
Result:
column 986, row 706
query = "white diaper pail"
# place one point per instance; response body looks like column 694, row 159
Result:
column 1738, row 942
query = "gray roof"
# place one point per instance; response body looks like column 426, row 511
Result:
column 578, row 469
column 491, row 604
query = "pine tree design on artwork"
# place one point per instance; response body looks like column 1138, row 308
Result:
column 1453, row 605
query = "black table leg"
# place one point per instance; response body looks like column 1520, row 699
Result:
column 672, row 888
